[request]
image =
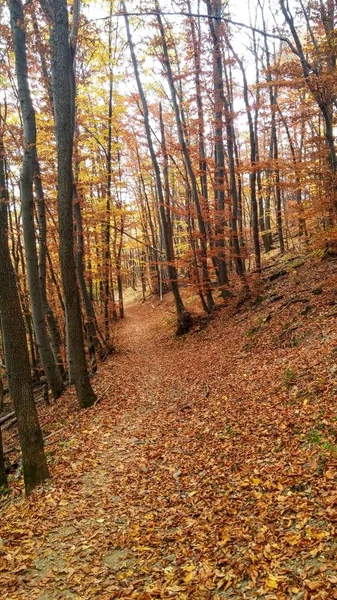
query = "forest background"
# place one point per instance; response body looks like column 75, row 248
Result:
column 165, row 146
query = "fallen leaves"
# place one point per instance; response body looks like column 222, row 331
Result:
column 234, row 498
column 272, row 581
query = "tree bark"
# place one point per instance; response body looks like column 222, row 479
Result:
column 26, row 184
column 214, row 10
column 54, row 332
column 230, row 135
column 35, row 469
column 64, row 111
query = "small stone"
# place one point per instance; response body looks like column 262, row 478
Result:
column 171, row 558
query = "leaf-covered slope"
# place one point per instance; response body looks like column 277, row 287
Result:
column 208, row 468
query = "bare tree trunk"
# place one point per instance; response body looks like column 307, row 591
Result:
column 252, row 174
column 184, row 318
column 156, row 286
column 35, row 470
column 266, row 236
column 91, row 322
column 296, row 162
column 214, row 10
column 26, row 183
column 106, row 233
column 64, row 110
column 23, row 293
column 187, row 158
column 54, row 332
column 277, row 175
column 274, row 144
column 196, row 41
column 230, row 135
column 118, row 246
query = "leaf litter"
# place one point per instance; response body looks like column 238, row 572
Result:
column 163, row 491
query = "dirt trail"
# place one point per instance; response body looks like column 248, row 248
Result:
column 164, row 491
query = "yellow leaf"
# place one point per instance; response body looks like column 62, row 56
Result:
column 305, row 401
column 293, row 538
column 271, row 582
column 189, row 577
column 329, row 474
column 256, row 481
column 190, row 568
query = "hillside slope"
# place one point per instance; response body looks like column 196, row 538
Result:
column 208, row 468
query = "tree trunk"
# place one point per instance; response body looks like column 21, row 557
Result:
column 184, row 318
column 64, row 110
column 252, row 174
column 230, row 135
column 187, row 158
column 35, row 469
column 54, row 332
column 214, row 10
column 26, row 184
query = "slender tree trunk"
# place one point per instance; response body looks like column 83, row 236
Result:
column 187, row 158
column 252, row 174
column 196, row 41
column 91, row 322
column 277, row 177
column 151, row 225
column 119, row 246
column 214, row 10
column 107, row 236
column 26, row 183
column 35, row 470
column 90, row 328
column 184, row 318
column 21, row 285
column 296, row 162
column 64, row 110
column 230, row 135
column 49, row 314
column 266, row 237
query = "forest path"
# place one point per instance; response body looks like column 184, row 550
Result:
column 161, row 492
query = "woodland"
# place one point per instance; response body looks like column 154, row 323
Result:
column 168, row 293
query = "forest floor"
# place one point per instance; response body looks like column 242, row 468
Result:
column 207, row 470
